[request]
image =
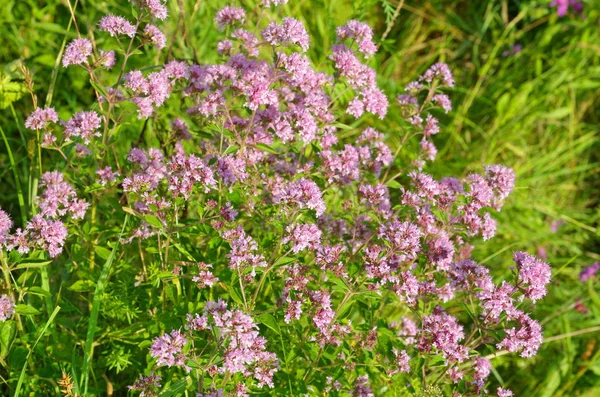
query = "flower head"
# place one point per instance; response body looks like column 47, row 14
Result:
column 107, row 59
column 504, row 392
column 289, row 31
column 40, row 118
column 533, row 273
column 7, row 307
column 562, row 6
column 147, row 385
column 83, row 125
column 155, row 36
column 77, row 52
column 303, row 236
column 5, row 225
column 587, row 273
column 361, row 33
column 168, row 349
column 115, row 25
column 402, row 359
column 442, row 332
column 230, row 16
column 156, row 8
column 527, row 337
column 439, row 71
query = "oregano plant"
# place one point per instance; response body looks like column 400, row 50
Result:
column 242, row 227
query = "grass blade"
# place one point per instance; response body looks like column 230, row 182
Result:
column 176, row 388
column 22, row 376
column 13, row 165
column 88, row 351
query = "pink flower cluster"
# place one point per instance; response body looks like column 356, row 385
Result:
column 230, row 16
column 563, row 6
column 7, row 307
column 115, row 25
column 242, row 348
column 156, row 8
column 5, row 225
column 304, row 193
column 361, row 33
column 47, row 230
column 437, row 76
column 83, row 125
column 289, row 31
column 59, row 198
column 77, row 52
column 168, row 350
column 359, row 77
column 148, row 92
column 40, row 233
column 146, row 385
column 242, row 255
column 40, row 118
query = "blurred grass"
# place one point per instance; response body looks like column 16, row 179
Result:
column 535, row 111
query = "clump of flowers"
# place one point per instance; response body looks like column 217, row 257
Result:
column 40, row 118
column 587, row 273
column 5, row 225
column 563, row 6
column 247, row 184
column 239, row 345
column 77, row 52
column 7, row 307
column 147, row 385
column 168, row 350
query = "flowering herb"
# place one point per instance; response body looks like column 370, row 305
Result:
column 276, row 241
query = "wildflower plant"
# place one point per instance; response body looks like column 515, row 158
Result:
column 259, row 234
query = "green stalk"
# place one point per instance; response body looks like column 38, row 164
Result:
column 22, row 376
column 46, row 287
column 88, row 351
column 13, row 165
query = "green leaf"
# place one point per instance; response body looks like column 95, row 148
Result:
column 7, row 335
column 343, row 126
column 134, row 11
column 27, row 310
column 284, row 260
column 235, row 295
column 176, row 388
column 308, row 151
column 268, row 320
column 394, row 184
column 153, row 221
column 557, row 114
column 82, row 285
column 345, row 310
column 98, row 88
column 266, row 148
column 231, row 149
column 38, row 291
column 102, row 252
column 10, row 91
column 131, row 211
column 340, row 283
column 32, row 264
column 502, row 104
column 185, row 252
